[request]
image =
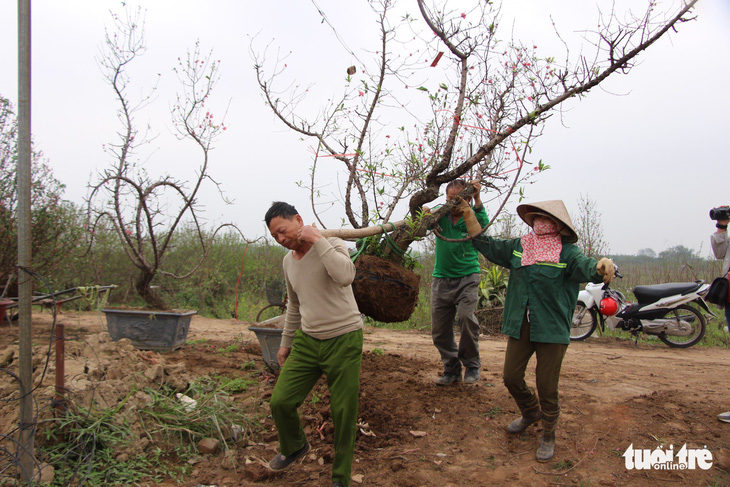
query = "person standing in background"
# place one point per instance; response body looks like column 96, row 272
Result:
column 719, row 243
column 455, row 288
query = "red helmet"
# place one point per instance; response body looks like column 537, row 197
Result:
column 609, row 306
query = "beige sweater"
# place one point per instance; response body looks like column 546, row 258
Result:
column 321, row 302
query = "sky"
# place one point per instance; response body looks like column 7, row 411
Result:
column 649, row 148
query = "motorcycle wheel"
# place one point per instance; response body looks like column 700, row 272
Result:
column 691, row 315
column 584, row 322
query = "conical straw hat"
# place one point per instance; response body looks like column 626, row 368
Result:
column 554, row 209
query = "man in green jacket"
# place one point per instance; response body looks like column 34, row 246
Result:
column 455, row 288
column 546, row 269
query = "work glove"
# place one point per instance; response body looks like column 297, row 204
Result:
column 472, row 225
column 607, row 269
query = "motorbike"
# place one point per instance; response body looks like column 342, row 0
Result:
column 668, row 311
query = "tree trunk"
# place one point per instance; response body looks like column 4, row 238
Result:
column 149, row 295
column 405, row 236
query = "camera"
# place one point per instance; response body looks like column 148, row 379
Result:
column 720, row 213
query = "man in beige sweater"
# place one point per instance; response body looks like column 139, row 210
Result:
column 322, row 335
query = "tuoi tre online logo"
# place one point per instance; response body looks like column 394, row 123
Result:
column 658, row 459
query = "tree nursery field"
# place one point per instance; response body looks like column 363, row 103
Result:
column 411, row 432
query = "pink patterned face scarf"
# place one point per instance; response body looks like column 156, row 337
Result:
column 543, row 244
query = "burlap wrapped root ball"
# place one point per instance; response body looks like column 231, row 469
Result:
column 385, row 291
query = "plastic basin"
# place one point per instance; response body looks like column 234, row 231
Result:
column 149, row 330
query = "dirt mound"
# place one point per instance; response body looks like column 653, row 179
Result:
column 98, row 372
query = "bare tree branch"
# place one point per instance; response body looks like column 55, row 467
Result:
column 496, row 97
column 146, row 212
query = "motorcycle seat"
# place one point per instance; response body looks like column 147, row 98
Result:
column 654, row 292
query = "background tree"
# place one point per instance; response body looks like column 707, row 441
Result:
column 400, row 134
column 590, row 229
column 56, row 223
column 679, row 253
column 647, row 252
column 508, row 225
column 146, row 211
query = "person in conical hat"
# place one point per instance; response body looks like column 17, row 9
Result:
column 554, row 209
column 546, row 269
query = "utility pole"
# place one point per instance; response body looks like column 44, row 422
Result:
column 25, row 281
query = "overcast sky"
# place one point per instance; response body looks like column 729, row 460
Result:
column 650, row 148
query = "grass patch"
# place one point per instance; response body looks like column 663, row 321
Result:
column 222, row 384
column 250, row 365
column 563, row 465
column 493, row 412
column 83, row 447
column 715, row 334
column 150, row 442
column 229, row 349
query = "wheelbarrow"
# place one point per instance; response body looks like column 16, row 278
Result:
column 269, row 335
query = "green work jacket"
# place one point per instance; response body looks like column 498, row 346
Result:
column 548, row 289
column 457, row 259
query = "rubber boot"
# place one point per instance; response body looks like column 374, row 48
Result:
column 522, row 423
column 530, row 414
column 546, row 449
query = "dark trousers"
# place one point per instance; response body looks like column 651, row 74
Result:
column 547, row 372
column 451, row 298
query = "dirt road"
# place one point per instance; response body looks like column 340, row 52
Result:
column 414, row 433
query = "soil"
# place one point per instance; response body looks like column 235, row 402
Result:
column 412, row 432
column 385, row 291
